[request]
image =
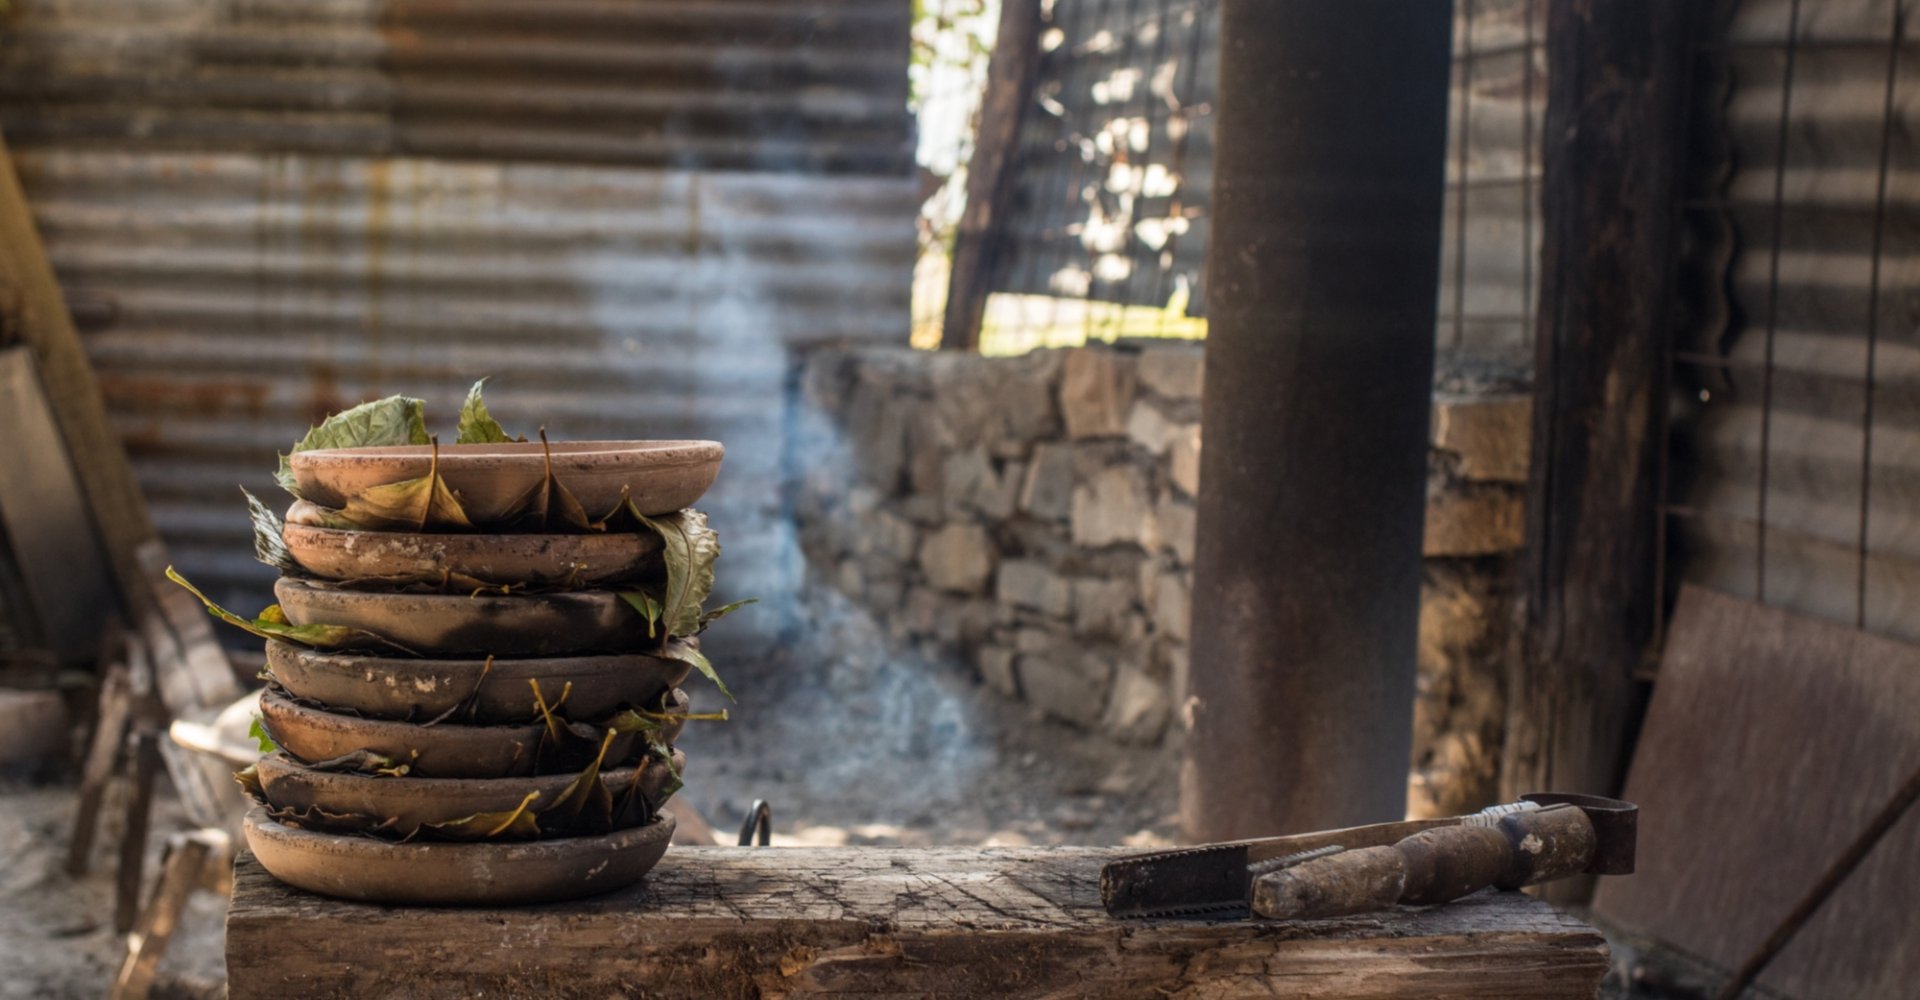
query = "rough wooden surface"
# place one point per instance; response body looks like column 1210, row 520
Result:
column 769, row 922
column 1615, row 125
column 1772, row 739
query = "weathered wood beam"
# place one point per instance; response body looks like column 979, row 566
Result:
column 1615, row 131
column 981, row 231
column 770, row 922
column 36, row 315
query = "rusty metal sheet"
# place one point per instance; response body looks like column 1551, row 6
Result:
column 1771, row 741
column 628, row 214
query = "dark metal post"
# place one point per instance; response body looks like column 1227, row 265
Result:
column 1322, row 277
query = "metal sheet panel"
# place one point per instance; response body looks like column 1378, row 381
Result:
column 625, row 213
column 1797, row 447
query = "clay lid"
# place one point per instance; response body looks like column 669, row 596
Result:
column 446, row 750
column 417, row 690
column 517, row 625
column 407, row 557
column 660, row 476
column 409, row 801
column 450, row 874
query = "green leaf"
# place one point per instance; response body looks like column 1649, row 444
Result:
column 548, row 505
column 709, row 617
column 477, row 426
column 690, row 654
column 636, row 720
column 690, row 549
column 643, row 602
column 409, row 505
column 273, row 624
column 260, row 736
column 518, row 823
column 249, row 779
column 664, row 754
column 389, row 421
column 268, row 546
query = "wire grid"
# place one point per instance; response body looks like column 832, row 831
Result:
column 1792, row 473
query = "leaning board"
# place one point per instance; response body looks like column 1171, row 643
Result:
column 1771, row 740
column 770, row 922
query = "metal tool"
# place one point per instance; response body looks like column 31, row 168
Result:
column 1297, row 875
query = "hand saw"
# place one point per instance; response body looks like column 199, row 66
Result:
column 1216, row 880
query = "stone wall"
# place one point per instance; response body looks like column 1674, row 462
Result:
column 1032, row 518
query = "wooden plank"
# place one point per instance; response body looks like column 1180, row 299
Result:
column 1615, row 129
column 29, row 292
column 770, row 922
column 1771, row 741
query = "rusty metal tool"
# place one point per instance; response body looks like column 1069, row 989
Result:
column 1339, row 871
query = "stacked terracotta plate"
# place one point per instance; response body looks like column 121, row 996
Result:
column 500, row 726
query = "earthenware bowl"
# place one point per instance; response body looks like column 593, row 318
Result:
column 563, row 624
column 408, row 802
column 447, row 750
column 659, row 476
column 386, row 687
column 406, row 557
column 447, row 874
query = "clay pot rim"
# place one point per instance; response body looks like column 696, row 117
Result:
column 461, row 454
column 512, row 666
column 504, row 851
column 315, row 584
column 325, row 718
column 425, row 786
column 475, row 538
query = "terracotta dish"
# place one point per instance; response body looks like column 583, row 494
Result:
column 417, row 690
column 660, row 476
column 429, row 874
column 410, row 801
column 405, row 557
column 563, row 624
column 446, row 750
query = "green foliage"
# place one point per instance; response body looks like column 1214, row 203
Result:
column 272, row 624
column 477, row 426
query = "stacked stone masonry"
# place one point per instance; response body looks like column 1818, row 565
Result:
column 1033, row 519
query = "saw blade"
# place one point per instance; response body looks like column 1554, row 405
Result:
column 1186, row 881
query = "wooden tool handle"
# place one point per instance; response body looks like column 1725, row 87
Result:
column 1432, row 866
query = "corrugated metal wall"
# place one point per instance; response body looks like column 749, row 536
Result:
column 1796, row 463
column 624, row 212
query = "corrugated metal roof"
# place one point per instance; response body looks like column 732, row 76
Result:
column 269, row 210
column 1797, row 451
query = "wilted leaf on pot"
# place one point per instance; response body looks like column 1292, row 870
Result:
column 258, row 731
column 689, row 654
column 548, row 505
column 390, row 421
column 518, row 823
column 709, row 617
column 409, row 505
column 689, row 548
column 477, row 426
column 648, row 606
column 638, row 720
column 316, row 818
column 664, row 754
column 363, row 762
column 584, row 806
column 471, row 700
column 268, row 546
column 315, row 516
column 273, row 624
column 249, row 779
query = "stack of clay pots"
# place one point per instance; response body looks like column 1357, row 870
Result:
column 501, row 729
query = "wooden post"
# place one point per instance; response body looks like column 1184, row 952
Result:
column 1010, row 74
column 1615, row 130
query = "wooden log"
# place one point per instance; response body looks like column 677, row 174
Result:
column 772, row 922
column 1615, row 128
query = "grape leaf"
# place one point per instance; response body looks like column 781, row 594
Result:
column 477, row 426
column 389, row 421
column 411, row 504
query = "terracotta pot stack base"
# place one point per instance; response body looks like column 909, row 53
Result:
column 391, row 757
